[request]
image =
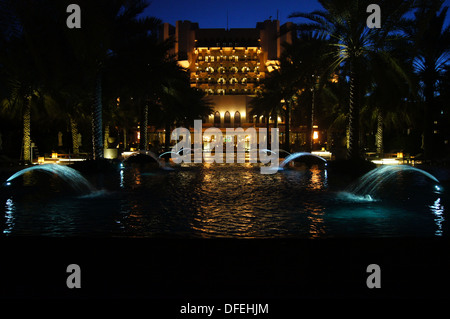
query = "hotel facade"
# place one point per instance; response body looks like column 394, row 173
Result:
column 229, row 65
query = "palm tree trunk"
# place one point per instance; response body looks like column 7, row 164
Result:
column 167, row 137
column 379, row 134
column 105, row 142
column 125, row 139
column 288, row 127
column 310, row 122
column 74, row 129
column 144, row 129
column 428, row 127
column 353, row 151
column 97, row 125
column 27, row 130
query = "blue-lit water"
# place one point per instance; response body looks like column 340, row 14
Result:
column 222, row 200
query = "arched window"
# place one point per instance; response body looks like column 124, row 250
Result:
column 217, row 118
column 237, row 119
column 227, row 118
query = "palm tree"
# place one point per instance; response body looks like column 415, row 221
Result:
column 431, row 42
column 106, row 24
column 268, row 102
column 179, row 105
column 353, row 43
column 19, row 68
column 391, row 91
column 304, row 65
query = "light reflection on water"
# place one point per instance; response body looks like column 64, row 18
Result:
column 224, row 200
column 438, row 210
column 9, row 216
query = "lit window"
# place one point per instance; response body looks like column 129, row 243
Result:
column 217, row 118
column 237, row 118
column 227, row 118
column 315, row 135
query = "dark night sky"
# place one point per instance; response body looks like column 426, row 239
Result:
column 241, row 13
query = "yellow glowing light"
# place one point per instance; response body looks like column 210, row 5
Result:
column 138, row 135
column 323, row 153
column 54, row 155
column 184, row 63
column 315, row 135
column 41, row 160
column 386, row 161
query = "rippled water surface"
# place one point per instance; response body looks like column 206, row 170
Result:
column 222, row 200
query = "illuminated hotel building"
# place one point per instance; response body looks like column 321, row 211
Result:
column 228, row 64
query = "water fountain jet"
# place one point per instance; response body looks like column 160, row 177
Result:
column 298, row 155
column 71, row 176
column 370, row 183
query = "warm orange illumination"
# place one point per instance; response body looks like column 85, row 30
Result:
column 335, row 78
column 138, row 135
column 54, row 155
column 315, row 135
column 184, row 63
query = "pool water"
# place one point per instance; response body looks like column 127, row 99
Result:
column 222, row 201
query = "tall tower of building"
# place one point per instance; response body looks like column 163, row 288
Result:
column 228, row 65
